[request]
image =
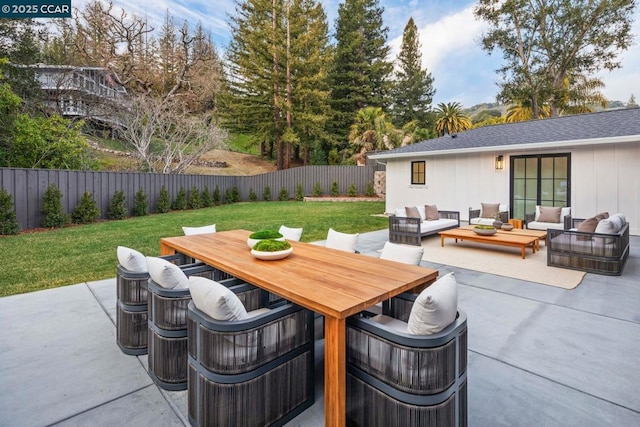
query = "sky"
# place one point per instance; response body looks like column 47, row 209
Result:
column 449, row 37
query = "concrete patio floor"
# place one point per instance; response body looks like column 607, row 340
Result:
column 538, row 355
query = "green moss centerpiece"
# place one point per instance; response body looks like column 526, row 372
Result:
column 263, row 235
column 271, row 249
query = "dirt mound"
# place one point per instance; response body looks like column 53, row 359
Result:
column 238, row 164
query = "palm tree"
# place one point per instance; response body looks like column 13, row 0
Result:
column 451, row 119
column 582, row 95
column 522, row 112
column 371, row 131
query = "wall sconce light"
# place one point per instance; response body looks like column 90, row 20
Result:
column 499, row 162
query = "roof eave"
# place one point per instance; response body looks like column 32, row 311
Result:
column 518, row 147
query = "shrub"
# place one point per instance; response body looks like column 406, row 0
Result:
column 317, row 190
column 266, row 193
column 86, row 211
column 140, row 204
column 8, row 222
column 52, row 213
column 216, row 196
column 195, row 202
column 164, row 201
column 180, row 203
column 284, row 195
column 235, row 194
column 228, row 196
column 205, row 198
column 369, row 191
column 118, row 206
column 334, row 189
column 299, row 193
column 352, row 191
column 252, row 195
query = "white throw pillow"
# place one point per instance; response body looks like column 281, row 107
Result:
column 216, row 300
column 131, row 260
column 190, row 231
column 290, row 233
column 342, row 241
column 423, row 212
column 166, row 274
column 402, row 253
column 435, row 308
column 401, row 212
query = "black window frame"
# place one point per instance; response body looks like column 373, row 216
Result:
column 418, row 174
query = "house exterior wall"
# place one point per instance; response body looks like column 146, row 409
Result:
column 603, row 178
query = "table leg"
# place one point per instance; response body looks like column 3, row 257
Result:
column 524, row 251
column 166, row 250
column 335, row 371
column 442, row 241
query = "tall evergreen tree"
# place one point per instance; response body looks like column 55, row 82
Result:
column 308, row 91
column 276, row 68
column 413, row 87
column 360, row 73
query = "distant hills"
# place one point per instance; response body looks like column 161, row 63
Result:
column 494, row 106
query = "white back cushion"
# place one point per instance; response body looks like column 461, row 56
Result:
column 422, row 211
column 290, row 233
column 402, row 253
column 342, row 241
column 216, row 300
column 435, row 308
column 190, row 231
column 131, row 260
column 401, row 212
column 166, row 274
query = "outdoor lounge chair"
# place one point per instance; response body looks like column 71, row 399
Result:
column 132, row 277
column 290, row 233
column 252, row 369
column 398, row 377
column 167, row 323
column 342, row 241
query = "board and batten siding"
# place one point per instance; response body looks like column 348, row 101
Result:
column 604, row 178
column 28, row 186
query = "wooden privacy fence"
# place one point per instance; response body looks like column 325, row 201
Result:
column 28, row 186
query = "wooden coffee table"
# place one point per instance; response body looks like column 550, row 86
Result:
column 502, row 238
column 539, row 234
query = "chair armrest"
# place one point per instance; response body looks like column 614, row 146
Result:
column 504, row 216
column 529, row 217
column 474, row 213
column 450, row 215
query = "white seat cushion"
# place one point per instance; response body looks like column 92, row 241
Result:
column 290, row 233
column 438, row 224
column 481, row 221
column 166, row 274
column 216, row 300
column 131, row 260
column 341, row 241
column 190, row 231
column 402, row 253
column 435, row 308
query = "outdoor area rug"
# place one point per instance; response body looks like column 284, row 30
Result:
column 500, row 260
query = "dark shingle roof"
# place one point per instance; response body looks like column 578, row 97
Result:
column 604, row 124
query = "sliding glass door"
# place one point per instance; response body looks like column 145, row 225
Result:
column 539, row 180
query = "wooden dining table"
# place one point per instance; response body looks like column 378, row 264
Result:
column 334, row 283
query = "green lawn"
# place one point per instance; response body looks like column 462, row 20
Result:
column 35, row 261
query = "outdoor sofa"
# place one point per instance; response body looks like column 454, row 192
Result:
column 549, row 218
column 410, row 224
column 602, row 251
column 488, row 213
